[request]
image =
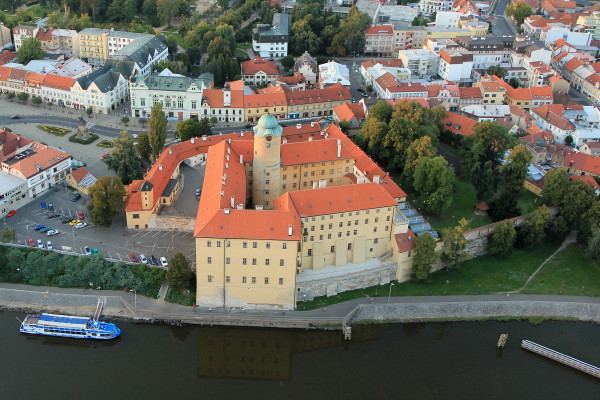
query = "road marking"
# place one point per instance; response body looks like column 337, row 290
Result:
column 165, row 234
column 109, row 256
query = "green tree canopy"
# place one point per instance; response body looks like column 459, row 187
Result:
column 417, row 151
column 519, row 10
column 502, row 240
column 555, row 187
column 187, row 129
column 143, row 146
column 167, row 10
column 455, row 243
column 107, row 196
column 124, row 159
column 178, row 273
column 515, row 169
column 434, row 181
column 486, row 180
column 593, row 249
column 503, row 205
column 381, row 111
column 157, row 129
column 533, row 231
column 489, row 142
column 425, row 256
column 577, row 201
column 31, row 49
column 497, row 70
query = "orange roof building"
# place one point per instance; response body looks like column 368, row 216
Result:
column 259, row 71
column 459, row 124
column 286, row 203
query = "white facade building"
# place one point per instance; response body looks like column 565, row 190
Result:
column 271, row 41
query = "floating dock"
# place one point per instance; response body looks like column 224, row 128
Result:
column 502, row 341
column 561, row 358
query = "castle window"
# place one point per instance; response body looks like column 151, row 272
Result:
column 209, row 260
column 332, row 249
column 254, row 261
column 227, row 260
column 210, row 278
column 208, row 243
column 281, row 262
column 281, row 281
column 267, row 261
column 309, row 252
column 227, row 279
column 253, row 279
column 284, row 246
column 244, row 261
column 243, row 279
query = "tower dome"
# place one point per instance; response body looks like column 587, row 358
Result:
column 268, row 125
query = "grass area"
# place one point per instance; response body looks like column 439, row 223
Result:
column 177, row 36
column 481, row 275
column 90, row 139
column 178, row 297
column 107, row 144
column 239, row 53
column 40, row 11
column 244, row 46
column 527, row 201
column 569, row 273
column 55, row 130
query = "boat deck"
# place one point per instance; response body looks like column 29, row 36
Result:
column 31, row 320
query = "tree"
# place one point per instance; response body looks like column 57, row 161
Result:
column 434, row 180
column 287, row 63
column 591, row 221
column 502, row 240
column 157, row 129
column 125, row 120
column 8, row 234
column 533, row 231
column 143, row 146
column 11, row 95
column 593, row 248
column 497, row 70
column 557, row 228
column 167, row 10
column 107, row 196
column 89, row 111
column 486, row 180
column 425, row 257
column 515, row 169
column 381, row 111
column 417, row 151
column 577, row 200
column 171, row 44
column 179, row 273
column 23, row 97
column 36, row 101
column 31, row 49
column 345, row 126
column 124, row 159
column 514, row 82
column 569, row 140
column 488, row 143
column 455, row 244
column 205, row 127
column 188, row 129
column 555, row 187
column 519, row 10
column 503, row 206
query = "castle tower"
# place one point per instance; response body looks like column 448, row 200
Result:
column 266, row 167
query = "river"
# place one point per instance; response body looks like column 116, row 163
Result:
column 416, row 361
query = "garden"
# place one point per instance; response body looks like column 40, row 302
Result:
column 54, row 130
column 91, row 138
column 105, row 144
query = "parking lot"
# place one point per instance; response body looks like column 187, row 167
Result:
column 114, row 243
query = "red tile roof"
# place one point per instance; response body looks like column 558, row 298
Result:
column 312, row 152
column 405, row 241
column 258, row 64
column 335, row 92
column 214, row 98
column 458, row 124
column 347, row 111
column 340, row 199
column 583, row 162
column 7, row 57
column 379, row 30
column 470, row 92
column 79, row 173
column 587, row 179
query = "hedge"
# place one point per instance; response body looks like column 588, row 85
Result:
column 74, row 138
column 107, row 144
column 54, row 130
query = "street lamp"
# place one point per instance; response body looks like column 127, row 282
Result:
column 390, row 293
column 134, row 298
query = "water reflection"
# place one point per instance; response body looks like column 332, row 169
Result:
column 261, row 354
column 70, row 342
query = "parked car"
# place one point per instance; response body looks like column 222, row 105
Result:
column 197, row 192
column 39, row 227
column 143, row 259
column 46, row 229
column 163, row 262
column 30, row 242
column 360, row 90
column 40, row 244
column 53, row 215
column 65, row 220
column 248, row 126
column 80, row 215
column 74, row 222
column 364, row 95
column 43, row 205
column 50, row 206
column 87, row 251
column 153, row 260
column 75, row 197
column 11, row 213
column 133, row 258
column 52, row 232
column 95, row 251
column 81, row 225
column 49, row 245
column 15, row 117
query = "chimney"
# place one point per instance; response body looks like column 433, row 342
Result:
column 322, row 184
column 298, row 126
column 361, row 179
column 312, row 124
column 284, row 140
column 204, row 138
column 222, row 193
column 290, row 230
column 241, row 159
column 377, row 179
column 240, row 206
column 160, row 167
column 193, row 141
column 232, row 202
column 241, row 134
column 226, row 165
column 170, row 151
column 226, row 211
column 227, row 157
column 339, row 148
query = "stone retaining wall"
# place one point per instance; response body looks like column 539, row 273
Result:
column 164, row 223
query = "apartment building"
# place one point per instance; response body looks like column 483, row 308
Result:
column 455, row 65
column 259, row 71
column 271, row 41
column 422, row 63
column 379, row 40
column 93, row 45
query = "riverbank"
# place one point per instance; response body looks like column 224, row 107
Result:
column 128, row 306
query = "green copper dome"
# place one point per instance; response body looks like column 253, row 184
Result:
column 268, row 125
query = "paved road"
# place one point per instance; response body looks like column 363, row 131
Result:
column 64, row 121
column 501, row 25
column 579, row 98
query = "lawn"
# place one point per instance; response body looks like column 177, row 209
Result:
column 178, row 38
column 239, row 53
column 244, row 46
column 569, row 273
column 482, row 275
column 40, row 11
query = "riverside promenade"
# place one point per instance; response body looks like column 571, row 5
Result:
column 127, row 305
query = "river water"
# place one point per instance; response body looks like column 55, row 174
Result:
column 414, row 361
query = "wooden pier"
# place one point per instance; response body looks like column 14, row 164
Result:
column 99, row 308
column 561, row 358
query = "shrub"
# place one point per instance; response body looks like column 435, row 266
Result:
column 54, row 130
column 106, row 144
column 74, row 138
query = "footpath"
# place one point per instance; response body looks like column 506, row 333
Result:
column 128, row 305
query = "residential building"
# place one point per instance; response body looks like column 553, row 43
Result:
column 353, row 113
column 41, row 166
column 459, row 124
column 180, row 96
column 331, row 73
column 259, row 71
column 316, row 102
column 422, row 63
column 65, row 41
column 13, row 193
column 307, row 66
column 447, row 96
column 591, row 23
column 539, row 74
column 488, row 50
column 371, row 70
column 295, row 82
column 591, row 148
column 470, row 95
column 428, row 7
column 5, row 36
column 389, row 13
column 379, row 40
column 492, row 91
column 143, row 52
column 22, row 32
column 225, row 104
column 456, row 65
column 93, row 45
column 104, row 89
column 579, row 122
column 407, row 36
column 82, row 180
column 117, row 40
column 271, row 41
